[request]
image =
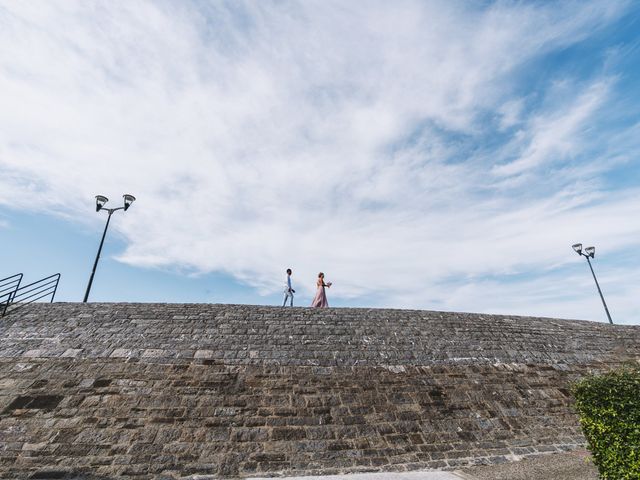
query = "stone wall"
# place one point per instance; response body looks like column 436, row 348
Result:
column 142, row 390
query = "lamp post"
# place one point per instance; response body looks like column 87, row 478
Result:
column 100, row 202
column 590, row 252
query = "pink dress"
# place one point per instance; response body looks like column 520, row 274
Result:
column 320, row 300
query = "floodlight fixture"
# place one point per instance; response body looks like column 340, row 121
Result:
column 577, row 247
column 128, row 200
column 591, row 251
column 100, row 201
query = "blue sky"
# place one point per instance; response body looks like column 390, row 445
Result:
column 436, row 155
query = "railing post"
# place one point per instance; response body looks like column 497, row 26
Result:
column 55, row 289
column 11, row 294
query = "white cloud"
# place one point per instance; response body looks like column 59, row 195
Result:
column 315, row 135
column 555, row 137
column 511, row 113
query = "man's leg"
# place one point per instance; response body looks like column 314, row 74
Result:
column 291, row 299
column 284, row 304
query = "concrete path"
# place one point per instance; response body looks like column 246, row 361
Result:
column 431, row 475
column 575, row 465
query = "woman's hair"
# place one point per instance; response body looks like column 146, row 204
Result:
column 320, row 275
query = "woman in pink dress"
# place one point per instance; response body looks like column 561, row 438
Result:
column 320, row 300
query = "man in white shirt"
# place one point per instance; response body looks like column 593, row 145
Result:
column 288, row 291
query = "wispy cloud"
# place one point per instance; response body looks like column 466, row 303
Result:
column 558, row 135
column 395, row 146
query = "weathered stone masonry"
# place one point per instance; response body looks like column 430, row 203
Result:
column 145, row 390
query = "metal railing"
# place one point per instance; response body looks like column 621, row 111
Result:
column 8, row 288
column 30, row 293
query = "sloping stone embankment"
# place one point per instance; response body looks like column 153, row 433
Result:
column 145, row 390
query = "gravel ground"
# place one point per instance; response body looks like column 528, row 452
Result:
column 575, row 465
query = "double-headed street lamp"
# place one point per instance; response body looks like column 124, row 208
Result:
column 590, row 252
column 100, row 202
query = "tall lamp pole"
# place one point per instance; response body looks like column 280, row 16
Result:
column 590, row 252
column 100, row 202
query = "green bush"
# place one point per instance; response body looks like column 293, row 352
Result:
column 609, row 409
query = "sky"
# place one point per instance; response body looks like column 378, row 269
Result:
column 439, row 155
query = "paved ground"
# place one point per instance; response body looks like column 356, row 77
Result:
column 380, row 476
column 576, row 465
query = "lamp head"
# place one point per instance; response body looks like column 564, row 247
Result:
column 591, row 251
column 100, row 201
column 578, row 248
column 128, row 200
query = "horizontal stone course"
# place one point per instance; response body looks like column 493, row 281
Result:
column 253, row 335
column 148, row 390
